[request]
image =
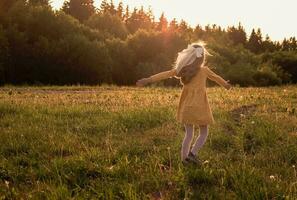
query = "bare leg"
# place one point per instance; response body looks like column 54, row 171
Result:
column 187, row 141
column 200, row 140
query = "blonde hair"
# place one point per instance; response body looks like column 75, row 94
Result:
column 189, row 61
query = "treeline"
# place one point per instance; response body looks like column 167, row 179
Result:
column 116, row 44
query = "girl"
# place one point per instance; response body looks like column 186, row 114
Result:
column 193, row 108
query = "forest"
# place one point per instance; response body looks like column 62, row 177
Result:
column 117, row 44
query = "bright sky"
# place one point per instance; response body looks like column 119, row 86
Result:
column 277, row 18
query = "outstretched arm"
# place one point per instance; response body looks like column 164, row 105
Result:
column 156, row 77
column 219, row 80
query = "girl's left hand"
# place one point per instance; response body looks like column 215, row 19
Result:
column 142, row 82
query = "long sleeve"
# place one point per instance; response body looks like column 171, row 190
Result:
column 162, row 75
column 214, row 77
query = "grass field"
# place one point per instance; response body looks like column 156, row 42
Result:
column 124, row 143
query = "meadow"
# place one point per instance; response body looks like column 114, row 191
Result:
column 112, row 142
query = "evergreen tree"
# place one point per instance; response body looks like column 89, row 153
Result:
column 104, row 6
column 162, row 24
column 111, row 25
column 4, row 56
column 268, row 45
column 183, row 26
column 126, row 14
column 139, row 19
column 173, row 25
column 133, row 21
column 112, row 10
column 292, row 44
column 150, row 15
column 39, row 2
column 198, row 32
column 185, row 30
column 6, row 5
column 120, row 10
column 285, row 45
column 278, row 45
column 254, row 43
column 237, row 35
column 80, row 9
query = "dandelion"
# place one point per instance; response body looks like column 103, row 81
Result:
column 272, row 177
column 253, row 122
column 7, row 184
column 241, row 115
column 206, row 162
column 293, row 166
column 111, row 167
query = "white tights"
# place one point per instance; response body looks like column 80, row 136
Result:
column 188, row 139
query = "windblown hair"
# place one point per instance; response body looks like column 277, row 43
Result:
column 189, row 71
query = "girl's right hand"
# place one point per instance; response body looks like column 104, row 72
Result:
column 228, row 85
column 142, row 82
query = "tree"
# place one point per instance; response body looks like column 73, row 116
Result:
column 268, row 45
column 101, row 49
column 111, row 24
column 254, row 43
column 39, row 2
column 290, row 44
column 80, row 9
column 120, row 10
column 104, row 6
column 4, row 56
column 183, row 26
column 112, row 9
column 185, row 30
column 162, row 24
column 139, row 19
column 108, row 7
column 237, row 35
column 6, row 5
column 173, row 25
column 198, row 32
column 126, row 14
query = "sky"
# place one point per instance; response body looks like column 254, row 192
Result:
column 277, row 18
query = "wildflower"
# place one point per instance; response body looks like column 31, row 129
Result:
column 111, row 167
column 253, row 122
column 293, row 166
column 272, row 177
column 7, row 184
column 206, row 162
column 241, row 115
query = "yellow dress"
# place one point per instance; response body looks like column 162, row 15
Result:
column 193, row 105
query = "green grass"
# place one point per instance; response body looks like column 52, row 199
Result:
column 113, row 142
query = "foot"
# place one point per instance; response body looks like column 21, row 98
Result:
column 194, row 158
column 186, row 161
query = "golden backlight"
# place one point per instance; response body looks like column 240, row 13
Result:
column 276, row 18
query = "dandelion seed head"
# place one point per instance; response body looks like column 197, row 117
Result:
column 272, row 177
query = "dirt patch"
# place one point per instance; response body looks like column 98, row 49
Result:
column 243, row 112
column 228, row 129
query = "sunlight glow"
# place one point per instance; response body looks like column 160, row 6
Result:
column 275, row 18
